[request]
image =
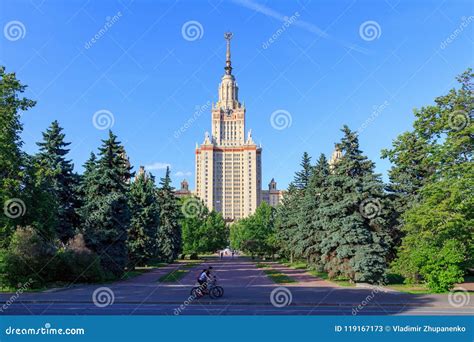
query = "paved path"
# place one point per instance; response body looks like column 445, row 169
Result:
column 248, row 291
column 302, row 277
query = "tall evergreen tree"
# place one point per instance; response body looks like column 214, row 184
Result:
column 145, row 215
column 169, row 234
column 286, row 221
column 357, row 242
column 59, row 173
column 12, row 159
column 290, row 212
column 84, row 179
column 303, row 176
column 105, row 212
column 310, row 230
column 41, row 205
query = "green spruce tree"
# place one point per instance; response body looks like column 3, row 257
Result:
column 145, row 215
column 303, row 176
column 105, row 212
column 59, row 173
column 353, row 211
column 286, row 221
column 310, row 229
column 169, row 234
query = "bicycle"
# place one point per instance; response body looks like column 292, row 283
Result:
column 213, row 290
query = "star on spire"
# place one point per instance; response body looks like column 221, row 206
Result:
column 228, row 68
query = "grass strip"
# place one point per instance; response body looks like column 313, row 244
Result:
column 134, row 273
column 278, row 277
column 173, row 276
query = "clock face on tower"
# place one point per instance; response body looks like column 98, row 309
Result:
column 228, row 112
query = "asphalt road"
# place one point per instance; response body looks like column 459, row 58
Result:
column 248, row 291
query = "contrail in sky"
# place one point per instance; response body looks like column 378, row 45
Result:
column 267, row 11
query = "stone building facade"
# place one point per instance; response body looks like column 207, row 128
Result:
column 228, row 164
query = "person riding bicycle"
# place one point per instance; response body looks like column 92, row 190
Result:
column 205, row 277
column 207, row 285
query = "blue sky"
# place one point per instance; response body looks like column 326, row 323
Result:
column 367, row 64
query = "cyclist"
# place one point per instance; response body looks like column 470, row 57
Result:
column 204, row 277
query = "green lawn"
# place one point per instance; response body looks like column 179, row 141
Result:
column 301, row 265
column 156, row 265
column 338, row 281
column 278, row 277
column 133, row 273
column 262, row 265
column 190, row 265
column 410, row 288
column 8, row 289
column 173, row 276
column 297, row 265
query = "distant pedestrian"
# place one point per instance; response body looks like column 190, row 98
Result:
column 222, row 254
column 232, row 254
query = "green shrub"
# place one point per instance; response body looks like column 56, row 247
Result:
column 439, row 266
column 443, row 266
column 394, row 278
column 77, row 263
column 193, row 256
column 28, row 259
column 79, row 267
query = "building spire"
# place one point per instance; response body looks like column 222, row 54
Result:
column 228, row 68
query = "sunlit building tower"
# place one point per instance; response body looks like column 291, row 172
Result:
column 229, row 163
column 184, row 190
column 335, row 157
column 272, row 196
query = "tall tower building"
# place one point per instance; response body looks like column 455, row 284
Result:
column 335, row 157
column 228, row 162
